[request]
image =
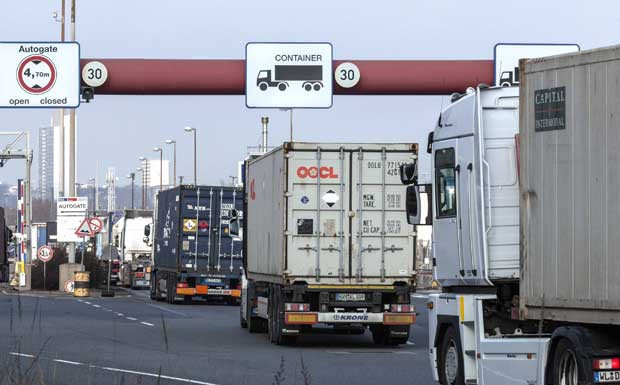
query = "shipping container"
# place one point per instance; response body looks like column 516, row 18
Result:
column 328, row 220
column 194, row 253
column 570, row 181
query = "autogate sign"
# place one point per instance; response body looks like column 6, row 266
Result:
column 288, row 75
column 40, row 74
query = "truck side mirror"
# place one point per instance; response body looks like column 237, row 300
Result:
column 116, row 240
column 233, row 227
column 408, row 173
column 147, row 230
column 418, row 204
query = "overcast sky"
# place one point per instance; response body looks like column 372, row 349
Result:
column 119, row 129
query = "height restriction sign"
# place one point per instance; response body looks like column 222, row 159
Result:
column 39, row 74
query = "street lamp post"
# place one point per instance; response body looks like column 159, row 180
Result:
column 174, row 159
column 161, row 167
column 190, row 129
column 132, row 176
column 142, row 171
column 94, row 194
column 145, row 180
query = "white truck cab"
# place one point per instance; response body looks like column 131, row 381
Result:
column 475, row 219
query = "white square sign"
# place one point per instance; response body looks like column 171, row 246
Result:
column 288, row 75
column 70, row 212
column 39, row 74
column 507, row 58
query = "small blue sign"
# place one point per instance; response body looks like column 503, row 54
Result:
column 305, row 199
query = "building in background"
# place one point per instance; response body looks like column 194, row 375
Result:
column 46, row 163
column 152, row 173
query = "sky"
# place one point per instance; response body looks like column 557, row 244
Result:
column 117, row 130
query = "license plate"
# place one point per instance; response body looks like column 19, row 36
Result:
column 211, row 280
column 218, row 292
column 141, row 283
column 607, row 376
column 350, row 296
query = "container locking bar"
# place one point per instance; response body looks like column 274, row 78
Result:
column 383, row 170
column 342, row 214
column 317, row 270
column 360, row 212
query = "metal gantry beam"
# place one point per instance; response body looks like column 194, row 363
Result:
column 227, row 77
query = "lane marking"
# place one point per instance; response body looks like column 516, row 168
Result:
column 88, row 303
column 147, row 323
column 410, row 343
column 131, row 318
column 111, row 369
column 120, row 314
column 96, row 306
column 171, row 311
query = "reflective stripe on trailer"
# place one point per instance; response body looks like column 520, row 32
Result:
column 366, row 318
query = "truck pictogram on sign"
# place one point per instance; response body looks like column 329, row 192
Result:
column 310, row 76
column 36, row 74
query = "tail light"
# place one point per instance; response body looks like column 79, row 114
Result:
column 297, row 307
column 404, row 308
column 182, row 285
column 606, row 363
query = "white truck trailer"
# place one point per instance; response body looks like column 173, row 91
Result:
column 326, row 241
column 526, row 227
column 134, row 247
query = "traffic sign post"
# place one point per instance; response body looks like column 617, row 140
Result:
column 45, row 254
column 39, row 74
column 288, row 75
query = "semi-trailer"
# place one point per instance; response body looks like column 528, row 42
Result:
column 194, row 253
column 526, row 227
column 326, row 241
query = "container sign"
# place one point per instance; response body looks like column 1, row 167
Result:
column 288, row 75
column 550, row 109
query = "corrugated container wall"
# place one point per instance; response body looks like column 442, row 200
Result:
column 570, row 187
column 329, row 213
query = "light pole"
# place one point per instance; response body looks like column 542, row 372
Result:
column 190, row 129
column 94, row 181
column 174, row 159
column 161, row 167
column 132, row 176
column 142, row 171
column 145, row 181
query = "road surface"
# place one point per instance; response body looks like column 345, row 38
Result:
column 130, row 339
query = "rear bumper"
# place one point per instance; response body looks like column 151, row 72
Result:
column 310, row 318
column 204, row 290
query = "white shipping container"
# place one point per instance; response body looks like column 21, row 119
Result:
column 329, row 213
column 570, row 181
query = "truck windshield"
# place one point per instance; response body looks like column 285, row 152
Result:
column 445, row 182
column 263, row 74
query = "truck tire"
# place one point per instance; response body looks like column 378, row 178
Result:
column 567, row 368
column 451, row 371
column 153, row 287
column 255, row 324
column 278, row 319
column 242, row 322
column 271, row 316
column 379, row 333
column 171, row 285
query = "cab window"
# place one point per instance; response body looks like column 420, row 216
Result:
column 446, row 183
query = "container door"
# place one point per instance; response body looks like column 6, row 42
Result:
column 228, row 248
column 317, row 223
column 382, row 243
column 447, row 246
column 199, row 234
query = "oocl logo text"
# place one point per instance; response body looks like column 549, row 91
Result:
column 313, row 172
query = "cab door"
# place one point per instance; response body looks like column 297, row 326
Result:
column 447, row 250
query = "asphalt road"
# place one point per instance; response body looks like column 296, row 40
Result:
column 130, row 339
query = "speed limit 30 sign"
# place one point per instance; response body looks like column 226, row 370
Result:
column 39, row 74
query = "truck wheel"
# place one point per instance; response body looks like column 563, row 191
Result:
column 317, row 86
column 308, row 87
column 566, row 367
column 282, row 86
column 171, row 286
column 242, row 322
column 263, row 86
column 278, row 320
column 451, row 360
column 153, row 287
column 271, row 317
column 378, row 334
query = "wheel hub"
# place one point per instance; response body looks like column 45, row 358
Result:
column 451, row 361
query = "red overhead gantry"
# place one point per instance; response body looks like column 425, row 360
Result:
column 227, row 77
